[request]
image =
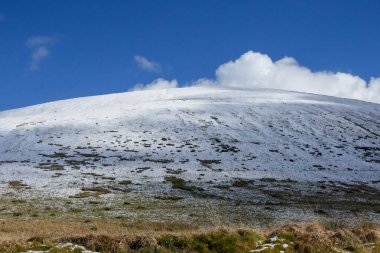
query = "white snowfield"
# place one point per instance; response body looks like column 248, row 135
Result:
column 231, row 143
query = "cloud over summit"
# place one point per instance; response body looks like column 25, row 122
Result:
column 257, row 70
column 158, row 84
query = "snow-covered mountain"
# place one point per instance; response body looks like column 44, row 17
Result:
column 228, row 143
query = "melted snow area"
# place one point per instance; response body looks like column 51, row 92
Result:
column 63, row 246
column 222, row 142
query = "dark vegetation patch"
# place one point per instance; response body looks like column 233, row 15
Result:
column 224, row 148
column 51, row 167
column 90, row 155
column 91, row 192
column 16, row 184
column 209, row 163
column 222, row 186
column 175, row 171
column 8, row 162
column 97, row 190
column 142, row 169
column 125, row 182
column 158, row 160
column 56, row 155
column 91, row 174
column 179, row 183
column 243, row 183
column 268, row 179
column 109, row 178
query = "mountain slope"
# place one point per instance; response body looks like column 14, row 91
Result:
column 252, row 146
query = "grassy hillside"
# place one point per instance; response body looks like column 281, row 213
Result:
column 112, row 237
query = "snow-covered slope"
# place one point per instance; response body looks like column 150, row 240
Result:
column 223, row 142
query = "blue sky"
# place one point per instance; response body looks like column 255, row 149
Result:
column 52, row 50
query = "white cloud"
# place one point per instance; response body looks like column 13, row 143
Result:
column 40, row 49
column 147, row 65
column 258, row 70
column 158, row 84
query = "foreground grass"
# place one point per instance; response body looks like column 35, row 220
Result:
column 109, row 237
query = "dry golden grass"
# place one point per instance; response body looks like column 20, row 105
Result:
column 322, row 237
column 112, row 235
column 51, row 229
